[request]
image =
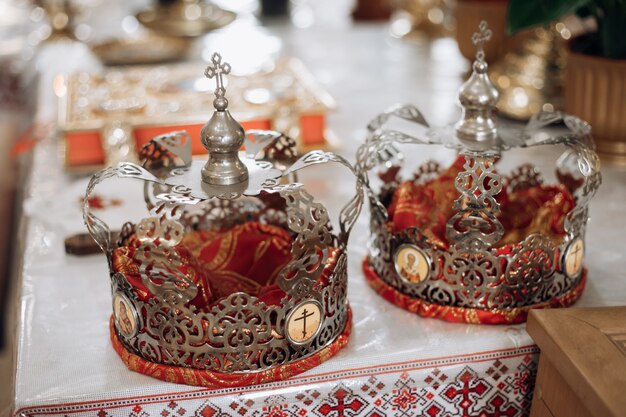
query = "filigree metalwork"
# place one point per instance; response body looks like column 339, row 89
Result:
column 239, row 333
column 426, row 172
column 350, row 212
column 166, row 152
column 271, row 146
column 160, row 262
column 215, row 213
column 531, row 269
column 97, row 228
column 406, row 112
column 523, row 177
column 484, row 279
column 475, row 225
column 473, row 272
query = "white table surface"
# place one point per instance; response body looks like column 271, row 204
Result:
column 64, row 352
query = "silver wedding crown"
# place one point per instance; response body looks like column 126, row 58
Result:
column 163, row 312
column 472, row 271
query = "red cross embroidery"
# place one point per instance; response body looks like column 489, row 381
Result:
column 355, row 405
column 478, row 389
column 497, row 402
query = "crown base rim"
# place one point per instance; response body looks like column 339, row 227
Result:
column 214, row 379
column 467, row 315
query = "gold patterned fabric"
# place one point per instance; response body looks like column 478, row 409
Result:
column 428, row 206
column 246, row 258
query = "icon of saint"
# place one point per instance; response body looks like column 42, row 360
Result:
column 123, row 320
column 409, row 269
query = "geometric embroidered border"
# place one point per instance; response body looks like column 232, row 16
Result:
column 487, row 384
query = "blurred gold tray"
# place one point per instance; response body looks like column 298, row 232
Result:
column 149, row 49
column 185, row 19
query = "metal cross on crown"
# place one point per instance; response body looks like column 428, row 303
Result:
column 479, row 38
column 218, row 69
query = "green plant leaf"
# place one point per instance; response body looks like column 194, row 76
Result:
column 524, row 14
column 612, row 28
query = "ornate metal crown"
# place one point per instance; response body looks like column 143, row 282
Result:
column 236, row 276
column 468, row 243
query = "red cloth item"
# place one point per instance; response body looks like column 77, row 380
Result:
column 247, row 257
column 540, row 209
column 428, row 206
column 125, row 262
column 244, row 258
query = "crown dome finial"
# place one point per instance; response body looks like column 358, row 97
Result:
column 222, row 135
column 478, row 96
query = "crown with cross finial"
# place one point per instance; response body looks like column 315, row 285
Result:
column 469, row 243
column 235, row 277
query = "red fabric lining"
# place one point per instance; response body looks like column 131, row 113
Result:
column 428, row 206
column 245, row 258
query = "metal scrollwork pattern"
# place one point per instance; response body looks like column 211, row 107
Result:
column 473, row 272
column 524, row 177
column 406, row 112
column 350, row 212
column 159, row 261
column 239, row 333
column 531, row 268
column 167, row 151
column 217, row 213
column 426, row 172
column 310, row 250
column 475, row 279
column 475, row 225
column 97, row 228
column 271, row 146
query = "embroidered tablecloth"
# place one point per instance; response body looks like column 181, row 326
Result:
column 395, row 364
